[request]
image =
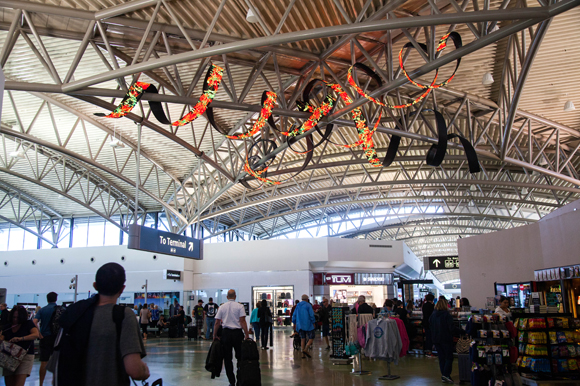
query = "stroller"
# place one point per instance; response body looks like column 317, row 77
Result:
column 297, row 342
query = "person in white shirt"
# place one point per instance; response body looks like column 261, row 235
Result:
column 232, row 317
column 504, row 307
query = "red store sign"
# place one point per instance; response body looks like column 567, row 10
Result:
column 339, row 278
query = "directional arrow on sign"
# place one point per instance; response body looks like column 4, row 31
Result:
column 436, row 262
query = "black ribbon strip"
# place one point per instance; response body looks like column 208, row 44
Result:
column 157, row 107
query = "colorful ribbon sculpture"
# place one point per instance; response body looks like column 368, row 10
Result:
column 210, row 86
column 252, row 165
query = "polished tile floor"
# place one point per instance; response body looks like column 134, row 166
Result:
column 181, row 362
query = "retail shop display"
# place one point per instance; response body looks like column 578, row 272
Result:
column 280, row 299
column 549, row 346
column 339, row 332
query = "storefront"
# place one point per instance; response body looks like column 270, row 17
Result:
column 347, row 287
column 279, row 299
column 559, row 288
column 517, row 292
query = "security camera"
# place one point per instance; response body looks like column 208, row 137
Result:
column 142, row 287
column 72, row 280
column 395, row 266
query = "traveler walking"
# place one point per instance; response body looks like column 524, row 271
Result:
column 442, row 332
column 210, row 311
column 428, row 308
column 303, row 320
column 87, row 355
column 3, row 315
column 197, row 315
column 232, row 317
column 144, row 319
column 265, row 318
column 47, row 316
column 255, row 322
column 325, row 315
column 22, row 332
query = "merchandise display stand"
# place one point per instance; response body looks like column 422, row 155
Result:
column 549, row 346
column 389, row 376
column 360, row 371
column 339, row 356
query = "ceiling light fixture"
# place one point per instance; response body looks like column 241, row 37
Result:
column 473, row 188
column 251, row 16
column 17, row 154
column 487, row 79
column 524, row 191
column 569, row 106
column 116, row 143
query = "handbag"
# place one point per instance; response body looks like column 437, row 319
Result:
column 463, row 345
column 11, row 355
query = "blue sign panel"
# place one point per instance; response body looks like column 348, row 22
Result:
column 153, row 240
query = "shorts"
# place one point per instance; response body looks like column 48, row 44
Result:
column 144, row 328
column 325, row 330
column 46, row 347
column 305, row 334
column 25, row 367
column 198, row 323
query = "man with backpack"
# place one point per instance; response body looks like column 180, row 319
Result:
column 100, row 342
column 198, row 316
column 210, row 311
column 48, row 317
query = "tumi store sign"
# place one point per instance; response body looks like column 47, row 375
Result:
column 339, row 278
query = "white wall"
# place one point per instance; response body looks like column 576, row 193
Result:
column 20, row 276
column 514, row 254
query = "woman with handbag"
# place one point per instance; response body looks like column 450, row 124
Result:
column 145, row 316
column 22, row 333
column 265, row 317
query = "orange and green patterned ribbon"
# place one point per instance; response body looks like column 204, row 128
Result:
column 129, row 101
column 210, row 87
column 268, row 101
column 427, row 88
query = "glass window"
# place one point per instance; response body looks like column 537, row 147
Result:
column 15, row 239
column 30, row 241
column 112, row 233
column 4, row 232
column 150, row 220
column 65, row 239
column 96, row 232
column 125, row 238
column 80, row 232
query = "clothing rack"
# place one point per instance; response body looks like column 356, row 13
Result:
column 360, row 371
column 388, row 377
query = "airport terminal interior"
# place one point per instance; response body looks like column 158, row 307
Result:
column 289, row 192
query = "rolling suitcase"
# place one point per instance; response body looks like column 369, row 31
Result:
column 191, row 332
column 249, row 373
column 464, row 364
column 173, row 331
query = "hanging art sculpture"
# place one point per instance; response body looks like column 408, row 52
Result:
column 257, row 168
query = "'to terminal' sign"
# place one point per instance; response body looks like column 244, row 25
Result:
column 153, row 240
column 433, row 263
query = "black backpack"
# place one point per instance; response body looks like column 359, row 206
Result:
column 73, row 339
column 54, row 320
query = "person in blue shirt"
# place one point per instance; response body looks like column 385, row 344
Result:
column 255, row 322
column 44, row 317
column 303, row 321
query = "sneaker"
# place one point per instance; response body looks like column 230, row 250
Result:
column 447, row 379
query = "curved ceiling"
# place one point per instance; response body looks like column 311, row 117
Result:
column 65, row 60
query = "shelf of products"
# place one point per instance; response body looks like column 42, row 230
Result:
column 280, row 300
column 549, row 346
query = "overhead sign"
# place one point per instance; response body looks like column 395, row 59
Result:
column 373, row 278
column 171, row 275
column 153, row 240
column 452, row 286
column 339, row 278
column 433, row 263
